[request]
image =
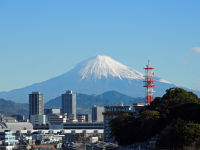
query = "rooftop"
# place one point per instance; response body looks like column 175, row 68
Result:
column 117, row 106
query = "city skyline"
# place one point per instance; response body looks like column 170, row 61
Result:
column 41, row 40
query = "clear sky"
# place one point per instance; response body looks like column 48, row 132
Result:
column 41, row 39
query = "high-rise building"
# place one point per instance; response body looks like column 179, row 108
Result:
column 36, row 108
column 36, row 103
column 97, row 115
column 69, row 105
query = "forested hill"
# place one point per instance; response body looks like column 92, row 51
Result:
column 84, row 102
column 8, row 107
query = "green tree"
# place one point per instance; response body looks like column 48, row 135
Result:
column 179, row 96
column 187, row 112
column 128, row 130
column 158, row 116
column 186, row 133
column 121, row 128
column 149, row 114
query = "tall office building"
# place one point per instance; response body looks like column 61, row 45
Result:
column 69, row 105
column 36, row 103
column 97, row 115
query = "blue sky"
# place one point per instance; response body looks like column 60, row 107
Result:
column 42, row 39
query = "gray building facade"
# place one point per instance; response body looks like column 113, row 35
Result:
column 36, row 103
column 69, row 105
column 110, row 113
column 97, row 115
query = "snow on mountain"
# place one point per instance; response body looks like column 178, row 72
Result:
column 164, row 81
column 93, row 76
column 104, row 66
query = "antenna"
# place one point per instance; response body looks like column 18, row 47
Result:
column 149, row 83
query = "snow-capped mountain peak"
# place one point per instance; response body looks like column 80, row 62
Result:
column 92, row 76
column 104, row 66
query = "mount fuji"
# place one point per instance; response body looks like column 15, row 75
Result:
column 92, row 76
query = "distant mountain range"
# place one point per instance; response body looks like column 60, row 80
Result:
column 85, row 102
column 9, row 108
column 92, row 76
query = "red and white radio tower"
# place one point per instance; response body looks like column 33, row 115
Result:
column 149, row 83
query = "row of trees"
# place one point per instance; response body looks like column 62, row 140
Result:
column 175, row 116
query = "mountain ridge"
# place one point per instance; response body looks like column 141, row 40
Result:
column 85, row 102
column 8, row 108
column 84, row 78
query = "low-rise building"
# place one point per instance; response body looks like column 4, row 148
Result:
column 45, row 147
column 56, row 121
column 47, row 138
column 84, row 117
column 38, row 119
column 80, row 117
column 9, row 119
column 52, row 111
column 86, row 125
column 19, row 126
column 138, row 107
column 7, row 139
column 110, row 113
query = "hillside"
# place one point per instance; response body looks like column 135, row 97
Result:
column 85, row 102
column 8, row 107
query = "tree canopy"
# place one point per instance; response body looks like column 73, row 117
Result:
column 177, row 112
